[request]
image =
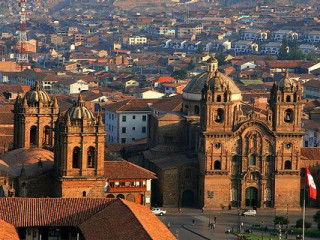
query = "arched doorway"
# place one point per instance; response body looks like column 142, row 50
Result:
column 187, row 198
column 110, row 196
column 251, row 197
column 33, row 136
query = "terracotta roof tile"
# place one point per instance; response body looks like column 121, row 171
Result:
column 311, row 153
column 122, row 169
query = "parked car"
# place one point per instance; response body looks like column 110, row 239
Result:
column 158, row 211
column 249, row 213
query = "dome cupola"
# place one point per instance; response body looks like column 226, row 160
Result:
column 79, row 112
column 37, row 96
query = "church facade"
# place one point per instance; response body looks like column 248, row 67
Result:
column 249, row 160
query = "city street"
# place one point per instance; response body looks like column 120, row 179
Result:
column 181, row 224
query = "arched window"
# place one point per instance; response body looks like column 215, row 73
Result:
column 91, row 157
column 196, row 110
column 219, row 115
column 219, row 98
column 76, row 157
column 33, row 136
column 288, row 99
column 287, row 165
column 120, row 196
column 110, row 196
column 46, row 134
column 217, row 165
column 288, row 116
column 84, row 194
column 252, row 160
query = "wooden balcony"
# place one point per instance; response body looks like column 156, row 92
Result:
column 126, row 189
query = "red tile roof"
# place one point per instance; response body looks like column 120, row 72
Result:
column 97, row 218
column 284, row 63
column 311, row 153
column 131, row 105
column 122, row 169
column 165, row 79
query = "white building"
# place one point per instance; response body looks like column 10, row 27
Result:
column 312, row 133
column 313, row 36
column 311, row 89
column 243, row 46
column 127, row 121
column 73, row 86
column 149, row 94
column 254, row 35
column 308, row 48
column 272, row 48
column 137, row 40
column 280, row 34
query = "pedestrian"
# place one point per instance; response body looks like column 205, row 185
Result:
column 169, row 225
column 193, row 221
column 179, row 210
column 211, row 225
column 214, row 226
column 202, row 209
column 215, row 219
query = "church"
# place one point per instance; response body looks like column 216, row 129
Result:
column 63, row 155
column 240, row 158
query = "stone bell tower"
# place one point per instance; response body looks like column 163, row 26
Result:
column 79, row 152
column 286, row 105
column 34, row 118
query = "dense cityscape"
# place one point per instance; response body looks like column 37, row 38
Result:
column 159, row 119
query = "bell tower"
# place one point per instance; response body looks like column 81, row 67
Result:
column 79, row 152
column 218, row 102
column 286, row 106
column 34, row 118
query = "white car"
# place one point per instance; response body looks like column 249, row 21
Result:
column 158, row 211
column 249, row 213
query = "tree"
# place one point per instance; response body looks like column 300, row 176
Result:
column 191, row 65
column 293, row 45
column 312, row 56
column 180, row 74
column 283, row 53
column 296, row 54
column 281, row 220
column 306, row 224
column 200, row 48
column 221, row 57
column 316, row 218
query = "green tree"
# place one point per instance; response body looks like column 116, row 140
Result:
column 316, row 218
column 296, row 54
column 180, row 74
column 293, row 45
column 312, row 57
column 281, row 220
column 306, row 224
column 221, row 57
column 200, row 48
column 283, row 53
column 191, row 65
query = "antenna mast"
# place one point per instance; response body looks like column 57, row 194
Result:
column 22, row 57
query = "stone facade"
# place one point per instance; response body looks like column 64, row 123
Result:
column 249, row 160
column 34, row 118
column 79, row 153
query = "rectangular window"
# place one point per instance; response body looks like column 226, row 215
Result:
column 124, row 130
column 144, row 129
column 133, row 128
column 144, row 118
column 124, row 118
column 123, row 140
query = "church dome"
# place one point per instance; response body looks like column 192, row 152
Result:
column 286, row 82
column 37, row 94
column 194, row 88
column 79, row 111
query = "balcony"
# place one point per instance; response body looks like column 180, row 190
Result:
column 117, row 189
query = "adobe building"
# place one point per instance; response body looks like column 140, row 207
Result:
column 245, row 158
